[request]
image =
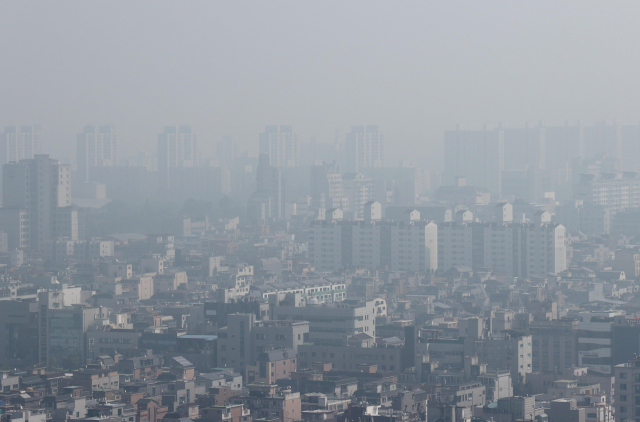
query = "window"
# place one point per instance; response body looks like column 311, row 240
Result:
column 623, row 398
column 623, row 375
column 623, row 387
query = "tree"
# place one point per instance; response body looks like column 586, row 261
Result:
column 53, row 363
column 71, row 362
column 521, row 388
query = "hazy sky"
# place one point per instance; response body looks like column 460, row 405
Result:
column 229, row 68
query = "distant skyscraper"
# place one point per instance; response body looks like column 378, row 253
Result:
column 525, row 147
column 327, row 188
column 268, row 202
column 358, row 190
column 20, row 142
column 177, row 147
column 364, row 148
column 96, row 146
column 36, row 203
column 477, row 155
column 281, row 146
column 226, row 151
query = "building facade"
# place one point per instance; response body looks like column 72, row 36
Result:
column 20, row 142
column 364, row 148
column 398, row 246
column 96, row 146
column 280, row 144
column 36, row 199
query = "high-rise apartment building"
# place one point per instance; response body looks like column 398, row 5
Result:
column 482, row 155
column 327, row 188
column 514, row 249
column 477, row 155
column 280, row 143
column 268, row 202
column 525, row 147
column 590, row 219
column 396, row 245
column 364, row 148
column 96, row 146
column 177, row 147
column 226, row 151
column 358, row 190
column 20, row 142
column 616, row 191
column 36, row 199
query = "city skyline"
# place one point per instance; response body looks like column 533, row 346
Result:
column 285, row 211
column 528, row 68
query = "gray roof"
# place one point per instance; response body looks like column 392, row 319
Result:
column 276, row 355
column 182, row 361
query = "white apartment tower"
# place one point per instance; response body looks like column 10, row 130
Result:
column 96, row 146
column 364, row 148
column 20, row 142
column 514, row 249
column 399, row 246
column 36, row 198
column 177, row 147
column 327, row 188
column 280, row 143
column 358, row 190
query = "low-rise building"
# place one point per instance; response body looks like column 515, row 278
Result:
column 266, row 401
column 272, row 365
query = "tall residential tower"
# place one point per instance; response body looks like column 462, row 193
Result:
column 36, row 203
column 280, row 143
column 20, row 142
column 96, row 146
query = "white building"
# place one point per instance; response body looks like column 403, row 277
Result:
column 327, row 188
column 358, row 190
column 323, row 290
